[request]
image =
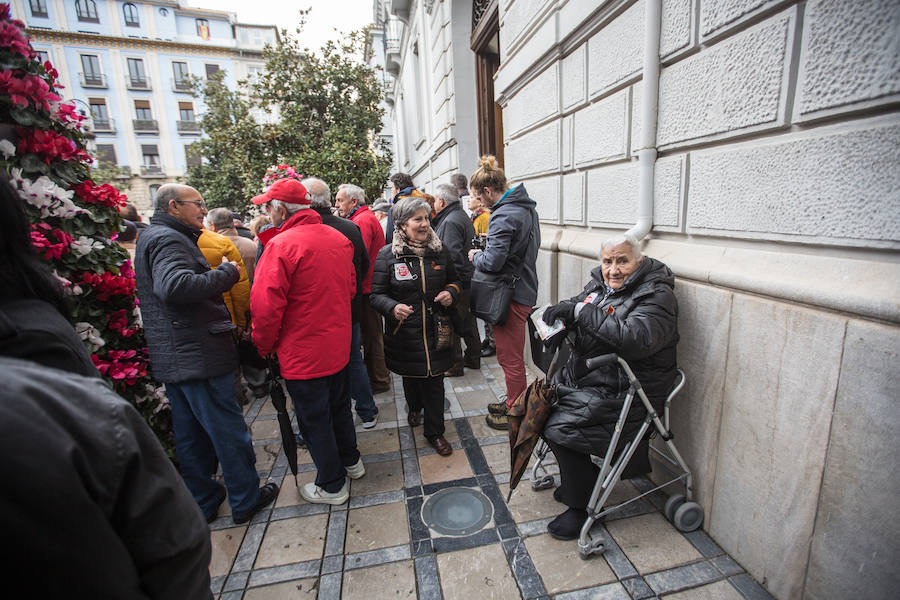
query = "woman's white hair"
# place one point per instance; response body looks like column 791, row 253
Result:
column 406, row 208
column 625, row 238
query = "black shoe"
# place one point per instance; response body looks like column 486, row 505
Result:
column 474, row 363
column 215, row 513
column 267, row 494
column 489, row 351
column 567, row 526
column 454, row 372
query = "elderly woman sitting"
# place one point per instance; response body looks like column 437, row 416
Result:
column 413, row 282
column 628, row 308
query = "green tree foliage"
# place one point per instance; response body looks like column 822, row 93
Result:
column 321, row 111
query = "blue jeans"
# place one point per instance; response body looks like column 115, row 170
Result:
column 209, row 429
column 360, row 390
column 323, row 413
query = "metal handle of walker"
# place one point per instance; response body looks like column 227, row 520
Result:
column 607, row 359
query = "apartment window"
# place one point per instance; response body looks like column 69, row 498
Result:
column 90, row 71
column 106, row 153
column 186, row 111
column 142, row 110
column 131, row 15
column 203, row 28
column 100, row 114
column 211, row 69
column 42, row 56
column 137, row 77
column 182, row 78
column 86, row 10
column 150, row 153
column 154, row 189
column 38, row 8
column 192, row 155
column 245, row 36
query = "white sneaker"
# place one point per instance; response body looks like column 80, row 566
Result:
column 316, row 495
column 370, row 424
column 356, row 471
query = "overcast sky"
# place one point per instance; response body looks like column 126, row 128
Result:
column 326, row 15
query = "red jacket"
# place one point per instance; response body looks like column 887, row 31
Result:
column 301, row 295
column 373, row 237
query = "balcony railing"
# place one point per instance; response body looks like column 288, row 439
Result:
column 182, row 85
column 188, row 126
column 152, row 171
column 137, row 83
column 104, row 125
column 145, row 125
column 93, row 80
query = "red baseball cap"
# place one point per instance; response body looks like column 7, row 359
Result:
column 285, row 190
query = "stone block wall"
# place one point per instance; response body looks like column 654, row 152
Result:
column 777, row 204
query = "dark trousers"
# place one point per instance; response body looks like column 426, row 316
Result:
column 427, row 393
column 473, row 340
column 323, row 413
column 577, row 475
column 373, row 346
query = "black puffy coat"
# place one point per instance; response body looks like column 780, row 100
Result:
column 639, row 322
column 456, row 231
column 409, row 349
column 187, row 326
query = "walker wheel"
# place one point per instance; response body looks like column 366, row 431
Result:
column 688, row 517
column 672, row 504
column 544, row 483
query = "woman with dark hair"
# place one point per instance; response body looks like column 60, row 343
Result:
column 414, row 281
column 33, row 308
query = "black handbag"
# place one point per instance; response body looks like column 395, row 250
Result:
column 491, row 293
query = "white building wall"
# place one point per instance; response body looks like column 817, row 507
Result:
column 777, row 204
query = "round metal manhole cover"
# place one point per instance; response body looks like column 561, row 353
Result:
column 457, row 511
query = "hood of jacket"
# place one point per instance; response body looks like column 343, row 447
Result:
column 305, row 216
column 516, row 195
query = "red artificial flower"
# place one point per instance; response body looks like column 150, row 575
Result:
column 108, row 285
column 50, row 145
column 118, row 322
column 27, row 89
column 104, row 195
column 125, row 367
column 11, row 36
column 42, row 235
column 68, row 115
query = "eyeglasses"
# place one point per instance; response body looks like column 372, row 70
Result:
column 199, row 203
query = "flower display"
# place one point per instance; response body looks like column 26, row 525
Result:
column 276, row 172
column 50, row 242
column 74, row 223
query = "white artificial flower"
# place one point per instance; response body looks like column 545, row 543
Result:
column 90, row 335
column 46, row 196
column 7, row 149
column 85, row 245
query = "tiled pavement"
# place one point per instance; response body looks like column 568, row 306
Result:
column 379, row 547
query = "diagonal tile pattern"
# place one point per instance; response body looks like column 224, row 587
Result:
column 378, row 546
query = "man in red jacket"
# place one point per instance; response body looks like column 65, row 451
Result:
column 351, row 203
column 300, row 303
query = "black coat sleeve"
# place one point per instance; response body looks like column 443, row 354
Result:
column 381, row 283
column 649, row 326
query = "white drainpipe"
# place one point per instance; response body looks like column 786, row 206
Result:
column 649, row 115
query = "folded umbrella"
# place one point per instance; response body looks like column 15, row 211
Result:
column 527, row 417
column 288, row 439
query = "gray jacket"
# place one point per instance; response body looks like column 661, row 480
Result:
column 187, row 326
column 513, row 220
column 454, row 227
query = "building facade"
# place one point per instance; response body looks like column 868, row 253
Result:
column 129, row 66
column 761, row 141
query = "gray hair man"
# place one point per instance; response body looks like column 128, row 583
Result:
column 455, row 230
column 188, row 331
column 360, row 388
column 351, row 203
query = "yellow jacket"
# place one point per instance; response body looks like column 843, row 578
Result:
column 481, row 222
column 237, row 299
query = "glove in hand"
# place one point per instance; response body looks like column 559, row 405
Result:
column 563, row 310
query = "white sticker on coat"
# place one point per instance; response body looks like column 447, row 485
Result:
column 402, row 272
column 590, row 298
